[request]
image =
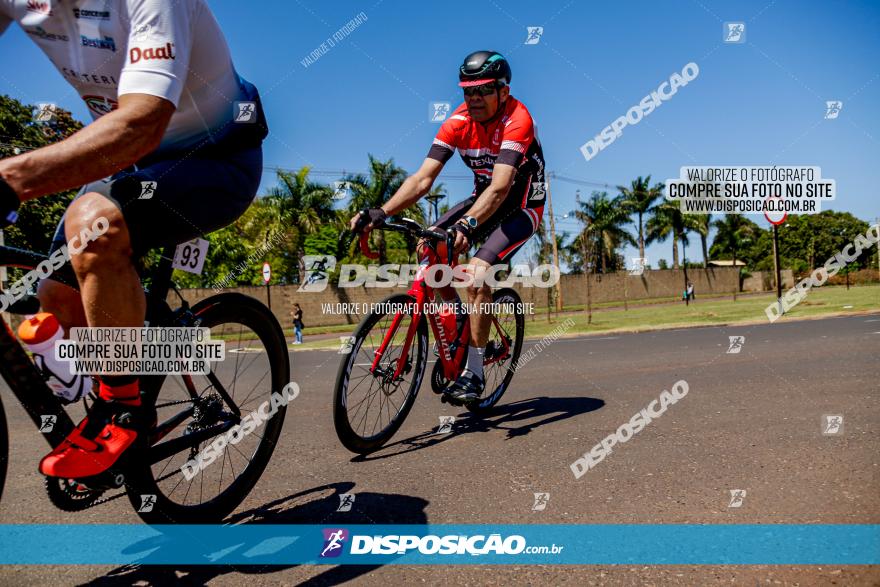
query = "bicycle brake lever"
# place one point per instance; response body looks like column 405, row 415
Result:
column 450, row 245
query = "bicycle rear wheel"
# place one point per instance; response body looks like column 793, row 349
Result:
column 369, row 407
column 255, row 369
column 505, row 340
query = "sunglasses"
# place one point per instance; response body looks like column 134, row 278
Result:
column 484, row 90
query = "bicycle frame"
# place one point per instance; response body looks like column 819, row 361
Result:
column 452, row 348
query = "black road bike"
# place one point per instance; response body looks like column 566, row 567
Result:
column 192, row 410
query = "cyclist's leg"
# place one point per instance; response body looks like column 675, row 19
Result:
column 513, row 230
column 501, row 245
column 110, row 287
column 193, row 196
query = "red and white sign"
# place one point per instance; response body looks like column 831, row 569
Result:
column 267, row 272
column 775, row 216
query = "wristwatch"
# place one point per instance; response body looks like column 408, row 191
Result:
column 470, row 221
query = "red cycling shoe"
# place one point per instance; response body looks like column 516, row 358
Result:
column 109, row 429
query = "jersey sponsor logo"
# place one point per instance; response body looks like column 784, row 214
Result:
column 98, row 43
column 42, row 33
column 100, row 105
column 90, row 78
column 39, row 7
column 136, row 54
column 91, row 14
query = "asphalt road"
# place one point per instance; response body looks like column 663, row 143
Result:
column 750, row 421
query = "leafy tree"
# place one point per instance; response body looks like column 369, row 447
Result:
column 20, row 132
column 641, row 199
column 735, row 233
column 667, row 220
column 702, row 223
column 374, row 189
column 604, row 219
column 304, row 207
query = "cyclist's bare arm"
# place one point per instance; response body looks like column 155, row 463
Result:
column 413, row 188
column 104, row 147
column 494, row 195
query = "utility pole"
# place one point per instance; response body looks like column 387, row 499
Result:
column 587, row 266
column 553, row 240
column 434, row 200
column 776, row 267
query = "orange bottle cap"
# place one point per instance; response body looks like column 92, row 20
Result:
column 38, row 328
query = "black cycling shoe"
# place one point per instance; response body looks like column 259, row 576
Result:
column 467, row 388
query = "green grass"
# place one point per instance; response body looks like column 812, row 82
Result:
column 822, row 301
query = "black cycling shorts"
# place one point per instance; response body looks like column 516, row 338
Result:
column 171, row 201
column 502, row 235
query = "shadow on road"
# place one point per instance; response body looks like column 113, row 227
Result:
column 517, row 418
column 312, row 506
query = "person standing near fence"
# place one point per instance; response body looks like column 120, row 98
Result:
column 297, row 324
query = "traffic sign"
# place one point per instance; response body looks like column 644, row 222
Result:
column 776, row 217
column 267, row 273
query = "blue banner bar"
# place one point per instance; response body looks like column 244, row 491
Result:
column 625, row 544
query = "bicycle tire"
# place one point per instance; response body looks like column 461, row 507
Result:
column 350, row 438
column 226, row 308
column 4, row 449
column 503, row 296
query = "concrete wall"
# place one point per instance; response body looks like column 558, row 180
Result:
column 765, row 281
column 605, row 288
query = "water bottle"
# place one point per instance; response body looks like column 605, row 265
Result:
column 38, row 333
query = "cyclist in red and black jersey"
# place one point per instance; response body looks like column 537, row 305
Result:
column 496, row 137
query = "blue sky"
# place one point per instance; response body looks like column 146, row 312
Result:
column 760, row 102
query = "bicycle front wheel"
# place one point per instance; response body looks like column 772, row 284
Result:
column 187, row 482
column 370, row 401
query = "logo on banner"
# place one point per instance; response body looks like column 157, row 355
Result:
column 333, row 541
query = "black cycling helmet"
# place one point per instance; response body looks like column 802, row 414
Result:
column 482, row 67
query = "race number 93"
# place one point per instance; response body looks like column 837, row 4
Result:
column 190, row 256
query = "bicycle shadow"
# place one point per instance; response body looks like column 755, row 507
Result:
column 531, row 413
column 311, row 506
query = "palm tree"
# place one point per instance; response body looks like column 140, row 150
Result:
column 374, row 190
column 734, row 234
column 641, row 199
column 702, row 224
column 604, row 219
column 665, row 221
column 303, row 205
column 438, row 192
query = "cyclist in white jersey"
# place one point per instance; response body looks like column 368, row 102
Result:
column 170, row 113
